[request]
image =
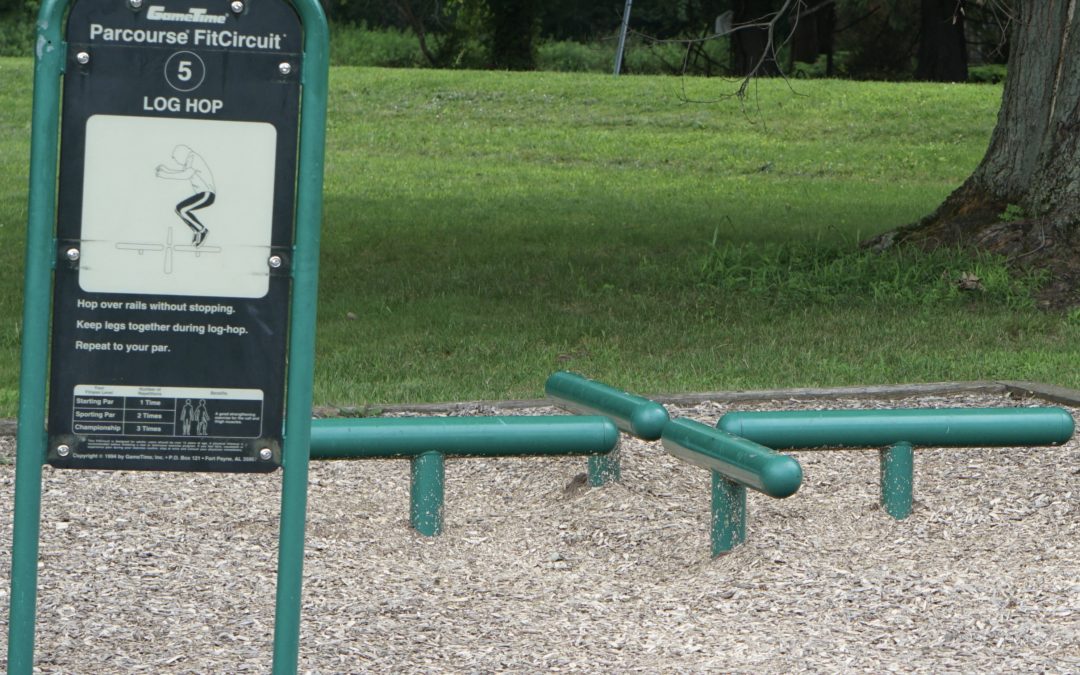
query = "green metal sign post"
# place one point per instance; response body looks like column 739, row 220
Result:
column 191, row 31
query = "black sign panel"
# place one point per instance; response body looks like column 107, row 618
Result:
column 175, row 226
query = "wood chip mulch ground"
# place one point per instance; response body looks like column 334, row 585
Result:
column 174, row 573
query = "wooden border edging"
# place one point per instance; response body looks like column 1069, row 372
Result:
column 1046, row 392
column 1039, row 390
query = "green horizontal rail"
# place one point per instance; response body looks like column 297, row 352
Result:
column 462, row 436
column 736, row 464
column 427, row 441
column 633, row 414
column 897, row 432
column 736, row 459
column 946, row 427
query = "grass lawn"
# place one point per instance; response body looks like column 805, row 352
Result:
column 485, row 229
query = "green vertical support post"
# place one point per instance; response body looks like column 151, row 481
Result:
column 40, row 253
column 309, row 185
column 604, row 469
column 728, row 514
column 897, row 477
column 735, row 464
column 427, row 493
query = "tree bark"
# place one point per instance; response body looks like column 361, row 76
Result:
column 1023, row 200
column 415, row 21
column 814, row 36
column 750, row 48
column 514, row 27
column 942, row 46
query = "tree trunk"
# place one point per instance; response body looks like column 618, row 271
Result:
column 942, row 46
column 805, row 41
column 1023, row 200
column 750, row 48
column 514, row 27
column 415, row 21
column 813, row 35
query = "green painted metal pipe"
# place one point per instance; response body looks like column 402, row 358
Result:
column 736, row 459
column 37, row 302
column 947, row 427
column 315, row 73
column 897, row 479
column 462, row 436
column 604, row 469
column 728, row 522
column 633, row 414
column 427, row 491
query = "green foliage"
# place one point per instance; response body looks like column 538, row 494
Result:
column 356, row 46
column 17, row 27
column 666, row 18
column 793, row 274
column 819, row 68
column 1012, row 212
column 16, row 37
column 379, row 13
column 575, row 57
column 573, row 20
column 880, row 38
column 514, row 28
column 990, row 73
column 644, row 57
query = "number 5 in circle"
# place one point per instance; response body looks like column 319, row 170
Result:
column 184, row 71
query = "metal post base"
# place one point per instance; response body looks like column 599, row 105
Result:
column 897, row 478
column 728, row 514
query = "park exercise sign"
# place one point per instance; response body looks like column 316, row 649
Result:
column 163, row 269
column 174, row 235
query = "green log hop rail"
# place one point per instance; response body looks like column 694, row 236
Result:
column 898, row 432
column 427, row 441
column 632, row 414
column 736, row 464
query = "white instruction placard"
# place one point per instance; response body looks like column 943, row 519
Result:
column 177, row 206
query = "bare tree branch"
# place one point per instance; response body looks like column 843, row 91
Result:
column 416, row 22
column 767, row 23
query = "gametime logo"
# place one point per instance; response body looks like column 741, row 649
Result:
column 193, row 15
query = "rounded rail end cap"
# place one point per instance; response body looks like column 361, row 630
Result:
column 648, row 421
column 729, row 423
column 560, row 378
column 1067, row 426
column 610, row 435
column 781, row 477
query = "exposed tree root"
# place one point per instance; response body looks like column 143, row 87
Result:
column 972, row 217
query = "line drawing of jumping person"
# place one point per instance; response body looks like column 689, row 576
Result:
column 192, row 168
column 202, row 418
column 187, row 414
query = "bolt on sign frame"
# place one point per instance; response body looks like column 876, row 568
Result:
column 50, row 254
